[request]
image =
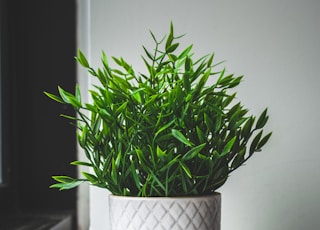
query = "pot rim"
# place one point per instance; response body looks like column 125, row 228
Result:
column 198, row 197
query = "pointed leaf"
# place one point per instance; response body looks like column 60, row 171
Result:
column 172, row 48
column 228, row 147
column 166, row 126
column 160, row 152
column 264, row 140
column 63, row 179
column 262, row 119
column 82, row 59
column 54, row 97
column 180, row 137
column 81, row 163
column 185, row 52
column 254, row 143
column 185, row 169
column 90, row 177
column 66, row 186
column 193, row 152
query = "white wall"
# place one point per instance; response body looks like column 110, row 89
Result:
column 275, row 44
column 83, row 43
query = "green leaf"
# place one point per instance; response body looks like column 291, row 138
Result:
column 69, row 98
column 117, row 60
column 171, row 163
column 235, row 82
column 264, row 140
column 160, row 152
column 153, row 37
column 171, row 28
column 114, row 171
column 157, row 180
column 262, row 119
column 78, row 94
column 218, row 123
column 228, row 100
column 227, row 148
column 82, row 59
column 135, row 176
column 201, row 83
column 246, row 130
column 63, row 179
column 254, row 143
column 185, row 52
column 81, row 163
column 201, row 135
column 187, row 64
column 66, row 182
column 148, row 53
column 169, row 41
column 234, row 118
column 234, row 110
column 136, row 95
column 121, row 108
column 180, row 137
column 209, row 63
column 172, row 57
column 226, row 81
column 104, row 60
column 172, row 48
column 166, row 126
column 118, row 159
column 54, row 97
column 221, row 76
column 66, row 186
column 208, row 122
column 239, row 159
column 90, row 177
column 83, row 137
column 185, row 169
column 193, row 152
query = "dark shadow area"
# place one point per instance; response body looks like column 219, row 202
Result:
column 38, row 43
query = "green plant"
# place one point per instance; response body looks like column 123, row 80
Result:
column 164, row 133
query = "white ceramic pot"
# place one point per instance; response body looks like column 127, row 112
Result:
column 165, row 213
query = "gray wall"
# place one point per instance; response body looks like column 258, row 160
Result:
column 275, row 44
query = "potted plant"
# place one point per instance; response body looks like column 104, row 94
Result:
column 166, row 133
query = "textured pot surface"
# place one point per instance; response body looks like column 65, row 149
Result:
column 165, row 213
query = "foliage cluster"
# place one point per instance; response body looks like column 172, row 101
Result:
column 164, row 133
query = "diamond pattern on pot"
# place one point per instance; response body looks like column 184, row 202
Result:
column 160, row 213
